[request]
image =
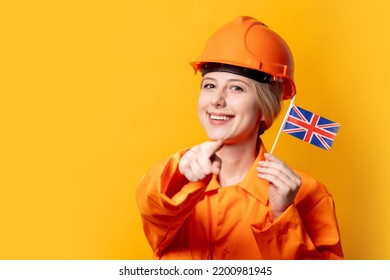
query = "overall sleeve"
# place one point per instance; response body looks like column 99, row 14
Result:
column 308, row 229
column 165, row 199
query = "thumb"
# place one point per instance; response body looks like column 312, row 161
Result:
column 216, row 164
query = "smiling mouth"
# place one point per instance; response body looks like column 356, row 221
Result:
column 220, row 117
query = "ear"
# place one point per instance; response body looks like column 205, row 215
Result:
column 261, row 118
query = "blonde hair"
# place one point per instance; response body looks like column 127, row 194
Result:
column 270, row 101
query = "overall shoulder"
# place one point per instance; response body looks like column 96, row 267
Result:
column 312, row 194
column 311, row 191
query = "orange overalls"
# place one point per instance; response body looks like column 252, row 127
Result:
column 202, row 220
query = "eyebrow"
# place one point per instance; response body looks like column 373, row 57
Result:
column 229, row 80
column 240, row 81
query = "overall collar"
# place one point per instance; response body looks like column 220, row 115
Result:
column 251, row 183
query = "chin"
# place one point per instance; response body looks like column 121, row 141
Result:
column 215, row 136
column 226, row 139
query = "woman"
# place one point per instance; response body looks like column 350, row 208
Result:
column 227, row 198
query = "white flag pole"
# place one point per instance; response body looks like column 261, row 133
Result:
column 284, row 121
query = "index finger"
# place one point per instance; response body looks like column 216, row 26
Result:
column 211, row 147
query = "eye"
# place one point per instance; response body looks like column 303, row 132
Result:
column 237, row 88
column 208, row 86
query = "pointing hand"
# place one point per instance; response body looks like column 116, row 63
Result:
column 201, row 161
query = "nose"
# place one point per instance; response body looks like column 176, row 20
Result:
column 219, row 98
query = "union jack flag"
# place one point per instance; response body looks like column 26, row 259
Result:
column 310, row 127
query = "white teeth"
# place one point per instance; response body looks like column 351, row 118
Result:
column 220, row 118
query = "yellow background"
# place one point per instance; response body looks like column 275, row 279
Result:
column 92, row 93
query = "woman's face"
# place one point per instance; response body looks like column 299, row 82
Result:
column 228, row 107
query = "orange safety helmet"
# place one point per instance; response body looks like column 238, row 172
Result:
column 248, row 43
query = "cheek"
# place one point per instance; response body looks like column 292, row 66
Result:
column 201, row 105
column 256, row 114
column 202, row 102
column 250, row 108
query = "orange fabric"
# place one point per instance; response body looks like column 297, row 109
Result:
column 185, row 220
